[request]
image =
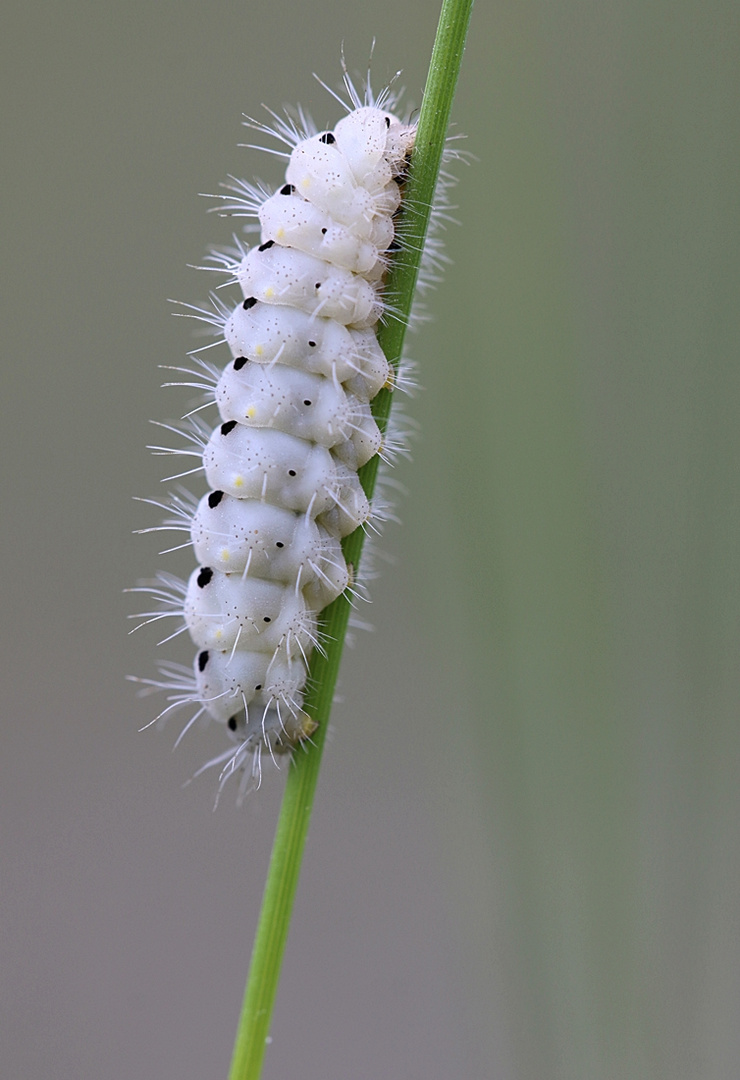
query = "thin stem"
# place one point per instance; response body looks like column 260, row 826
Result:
column 295, row 814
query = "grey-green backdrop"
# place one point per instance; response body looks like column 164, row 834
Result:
column 523, row 862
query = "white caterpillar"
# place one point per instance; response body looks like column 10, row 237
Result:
column 295, row 426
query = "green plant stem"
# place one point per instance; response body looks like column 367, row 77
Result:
column 295, row 814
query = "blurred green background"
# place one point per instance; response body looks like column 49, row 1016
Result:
column 523, row 862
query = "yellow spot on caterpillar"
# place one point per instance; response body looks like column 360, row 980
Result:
column 301, row 727
column 258, row 350
column 238, row 481
column 308, row 726
column 280, row 233
column 225, row 554
column 251, row 412
column 269, row 292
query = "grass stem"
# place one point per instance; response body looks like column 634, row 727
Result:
column 295, row 814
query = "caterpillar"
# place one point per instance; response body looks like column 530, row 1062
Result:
column 294, row 425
